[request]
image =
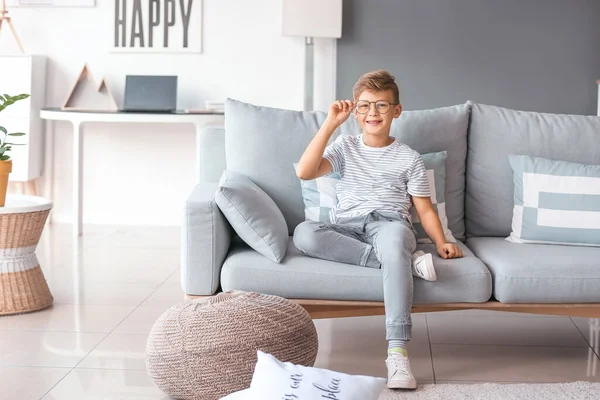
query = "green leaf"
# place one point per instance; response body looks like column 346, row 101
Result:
column 7, row 100
column 4, row 158
column 6, row 104
column 15, row 144
column 3, row 129
column 17, row 134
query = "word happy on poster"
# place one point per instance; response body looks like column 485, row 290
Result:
column 151, row 26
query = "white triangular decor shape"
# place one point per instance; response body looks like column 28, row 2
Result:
column 86, row 95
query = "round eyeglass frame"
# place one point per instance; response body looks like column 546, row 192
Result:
column 376, row 107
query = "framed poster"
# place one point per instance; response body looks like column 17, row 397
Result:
column 151, row 26
column 55, row 3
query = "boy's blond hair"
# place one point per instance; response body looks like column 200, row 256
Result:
column 376, row 81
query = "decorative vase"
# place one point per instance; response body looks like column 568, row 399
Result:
column 5, row 170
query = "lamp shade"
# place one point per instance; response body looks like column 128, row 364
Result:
column 312, row 18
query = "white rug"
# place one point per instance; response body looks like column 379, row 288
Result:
column 497, row 391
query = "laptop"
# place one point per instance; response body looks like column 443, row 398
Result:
column 150, row 93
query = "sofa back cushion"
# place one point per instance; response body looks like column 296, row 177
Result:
column 263, row 143
column 496, row 132
column 441, row 129
column 211, row 153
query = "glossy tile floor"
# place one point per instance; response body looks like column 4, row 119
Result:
column 110, row 287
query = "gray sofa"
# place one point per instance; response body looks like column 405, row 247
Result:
column 263, row 143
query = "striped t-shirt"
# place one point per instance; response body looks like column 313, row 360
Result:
column 375, row 178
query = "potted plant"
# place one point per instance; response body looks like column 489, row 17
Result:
column 6, row 145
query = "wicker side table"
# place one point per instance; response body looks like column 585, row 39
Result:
column 23, row 287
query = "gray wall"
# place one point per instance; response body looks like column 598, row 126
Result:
column 537, row 55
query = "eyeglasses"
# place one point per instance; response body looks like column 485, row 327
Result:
column 382, row 106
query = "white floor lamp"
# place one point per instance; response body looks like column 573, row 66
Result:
column 311, row 19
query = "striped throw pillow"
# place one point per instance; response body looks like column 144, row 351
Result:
column 320, row 197
column 435, row 165
column 555, row 202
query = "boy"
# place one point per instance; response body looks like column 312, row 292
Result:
column 380, row 180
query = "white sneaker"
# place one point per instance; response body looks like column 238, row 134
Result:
column 399, row 373
column 422, row 266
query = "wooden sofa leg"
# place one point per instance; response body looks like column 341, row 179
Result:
column 320, row 312
column 319, row 309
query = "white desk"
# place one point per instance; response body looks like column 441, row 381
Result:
column 78, row 118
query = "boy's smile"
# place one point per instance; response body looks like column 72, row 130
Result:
column 374, row 122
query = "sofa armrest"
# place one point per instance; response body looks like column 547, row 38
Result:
column 206, row 237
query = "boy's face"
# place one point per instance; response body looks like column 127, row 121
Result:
column 373, row 121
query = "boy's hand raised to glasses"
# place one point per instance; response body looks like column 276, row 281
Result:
column 339, row 111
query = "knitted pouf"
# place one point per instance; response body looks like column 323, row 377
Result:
column 206, row 348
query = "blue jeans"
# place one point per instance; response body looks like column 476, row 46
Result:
column 374, row 241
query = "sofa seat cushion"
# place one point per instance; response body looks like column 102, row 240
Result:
column 302, row 277
column 540, row 273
